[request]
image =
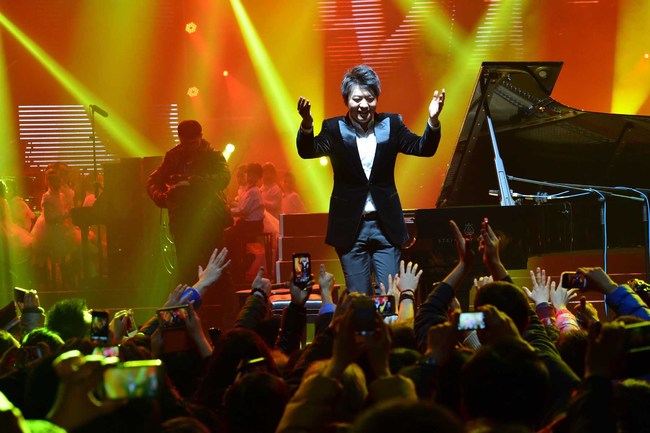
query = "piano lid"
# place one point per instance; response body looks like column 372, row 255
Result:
column 540, row 138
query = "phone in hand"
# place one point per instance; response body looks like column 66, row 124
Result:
column 19, row 294
column 99, row 326
column 107, row 351
column 471, row 321
column 132, row 379
column 573, row 280
column 131, row 327
column 364, row 315
column 172, row 317
column 384, row 304
column 26, row 355
column 301, row 269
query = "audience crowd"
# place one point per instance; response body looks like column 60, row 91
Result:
column 533, row 363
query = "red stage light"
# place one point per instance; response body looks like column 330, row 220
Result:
column 193, row 92
column 190, row 27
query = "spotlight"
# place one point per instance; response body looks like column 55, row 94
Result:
column 323, row 161
column 229, row 149
column 190, row 27
column 646, row 56
column 193, row 92
column 225, row 73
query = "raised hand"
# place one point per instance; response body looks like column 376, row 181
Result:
column 326, row 282
column 304, row 109
column 299, row 295
column 409, row 277
column 214, row 269
column 560, row 297
column 262, row 283
column 465, row 254
column 436, row 105
column 542, row 287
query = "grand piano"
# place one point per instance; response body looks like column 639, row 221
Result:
column 563, row 179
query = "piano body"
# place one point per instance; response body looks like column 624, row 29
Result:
column 543, row 140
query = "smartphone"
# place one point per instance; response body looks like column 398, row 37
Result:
column 131, row 327
column 364, row 315
column 573, row 280
column 384, row 304
column 172, row 317
column 215, row 336
column 132, row 379
column 301, row 269
column 19, row 294
column 471, row 321
column 99, row 326
column 26, row 355
column 107, row 351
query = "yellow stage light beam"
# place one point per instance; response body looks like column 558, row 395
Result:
column 282, row 105
column 9, row 154
column 125, row 136
column 631, row 68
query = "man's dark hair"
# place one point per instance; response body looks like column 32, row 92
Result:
column 189, row 129
column 408, row 416
column 507, row 298
column 512, row 370
column 363, row 76
column 573, row 349
column 68, row 318
column 43, row 335
column 255, row 403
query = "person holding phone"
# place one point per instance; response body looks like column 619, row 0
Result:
column 366, row 223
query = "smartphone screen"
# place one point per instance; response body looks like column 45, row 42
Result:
column 301, row 269
column 99, row 326
column 131, row 327
column 384, row 305
column 132, row 379
column 172, row 317
column 107, row 351
column 471, row 321
column 572, row 280
column 26, row 355
column 364, row 315
column 19, row 294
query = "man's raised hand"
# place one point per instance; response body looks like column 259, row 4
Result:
column 304, row 109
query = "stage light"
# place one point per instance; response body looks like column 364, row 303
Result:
column 225, row 73
column 190, row 27
column 193, row 92
column 323, row 161
column 230, row 148
column 646, row 56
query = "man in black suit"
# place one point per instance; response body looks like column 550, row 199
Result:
column 366, row 223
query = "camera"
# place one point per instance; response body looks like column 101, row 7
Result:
column 301, row 269
column 172, row 317
column 384, row 304
column 26, row 355
column 99, row 326
column 132, row 379
column 364, row 315
column 471, row 321
column 573, row 280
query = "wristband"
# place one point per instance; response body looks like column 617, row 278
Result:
column 257, row 289
column 405, row 295
column 191, row 294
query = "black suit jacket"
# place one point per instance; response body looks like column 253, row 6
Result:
column 337, row 140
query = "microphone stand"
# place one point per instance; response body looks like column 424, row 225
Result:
column 93, row 109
